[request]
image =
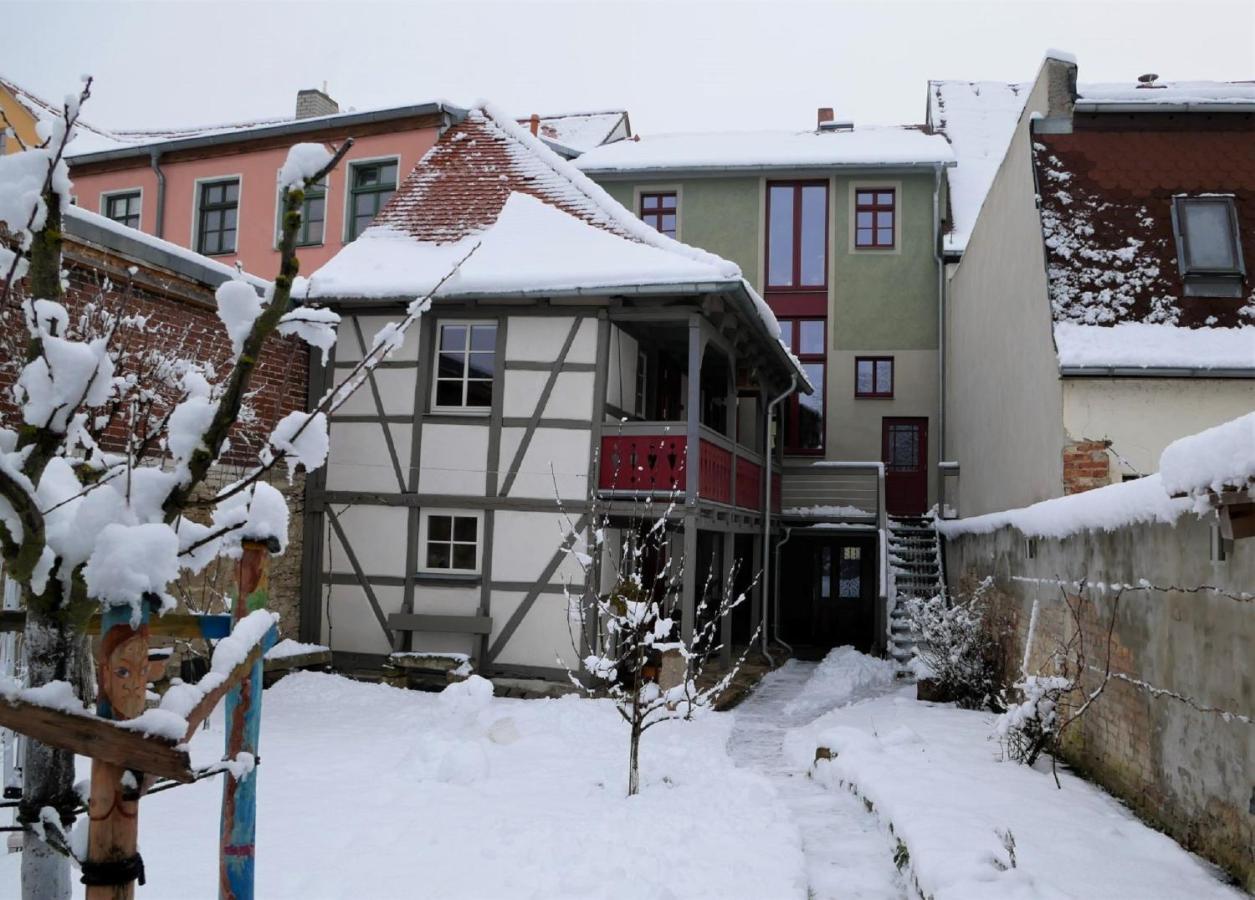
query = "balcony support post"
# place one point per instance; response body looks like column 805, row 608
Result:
column 693, row 412
column 688, row 597
column 729, row 585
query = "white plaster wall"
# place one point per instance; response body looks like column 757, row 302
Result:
column 571, row 397
column 540, row 338
column 454, row 459
column 559, row 454
column 541, row 637
column 358, row 459
column 523, row 545
column 621, row 371
column 377, row 535
column 1141, row 416
column 348, row 349
column 348, row 623
column 1004, row 402
column 396, row 392
column 446, row 601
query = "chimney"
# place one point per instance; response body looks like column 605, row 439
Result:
column 824, row 117
column 534, row 124
column 1060, row 73
column 312, row 102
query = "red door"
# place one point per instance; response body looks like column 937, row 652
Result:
column 904, row 450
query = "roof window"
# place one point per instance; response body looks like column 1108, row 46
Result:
column 1209, row 252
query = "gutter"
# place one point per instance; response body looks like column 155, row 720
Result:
column 614, row 174
column 1124, row 106
column 155, row 162
column 767, row 460
column 1154, row 372
column 297, row 126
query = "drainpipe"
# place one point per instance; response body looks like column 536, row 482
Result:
column 941, row 337
column 788, row 533
column 155, row 161
column 771, row 409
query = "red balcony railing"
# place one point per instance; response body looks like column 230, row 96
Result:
column 715, row 478
column 647, row 463
column 749, row 484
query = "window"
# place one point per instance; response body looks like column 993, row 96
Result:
column 902, row 450
column 217, row 217
column 123, row 208
column 313, row 215
column 659, row 210
column 450, row 542
column 642, row 368
column 874, row 218
column 804, row 418
column 797, row 235
column 1208, row 249
column 465, row 365
column 371, row 186
column 873, row 376
column 850, row 574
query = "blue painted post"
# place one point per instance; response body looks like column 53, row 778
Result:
column 243, row 731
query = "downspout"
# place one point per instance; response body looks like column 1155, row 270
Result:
column 788, row 533
column 155, row 161
column 771, row 409
column 941, row 338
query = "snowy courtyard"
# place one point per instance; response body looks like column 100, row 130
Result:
column 373, row 791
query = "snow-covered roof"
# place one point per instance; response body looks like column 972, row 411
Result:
column 1133, row 345
column 89, row 226
column 1213, row 94
column 863, row 146
column 1216, row 460
column 979, row 118
column 536, row 224
column 582, row 131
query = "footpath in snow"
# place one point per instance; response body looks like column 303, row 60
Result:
column 848, row 857
column 977, row 827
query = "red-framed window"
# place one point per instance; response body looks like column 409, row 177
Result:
column 873, row 376
column 659, row 209
column 804, row 416
column 797, row 235
column 874, row 212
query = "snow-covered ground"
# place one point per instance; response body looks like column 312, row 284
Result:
column 935, row 774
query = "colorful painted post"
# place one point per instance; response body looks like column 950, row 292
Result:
column 113, row 863
column 243, row 721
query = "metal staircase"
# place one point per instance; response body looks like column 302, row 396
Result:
column 915, row 567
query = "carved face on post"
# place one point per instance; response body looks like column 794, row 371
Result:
column 124, row 671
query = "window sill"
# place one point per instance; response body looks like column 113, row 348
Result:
column 459, row 579
column 873, row 396
column 461, row 412
column 219, row 253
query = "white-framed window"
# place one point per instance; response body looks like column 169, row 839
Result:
column 122, row 207
column 466, row 359
column 450, row 541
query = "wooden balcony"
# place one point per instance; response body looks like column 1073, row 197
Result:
column 649, row 458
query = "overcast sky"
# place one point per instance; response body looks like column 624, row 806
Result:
column 675, row 65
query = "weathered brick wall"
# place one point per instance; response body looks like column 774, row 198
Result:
column 181, row 322
column 1186, row 770
column 1086, row 465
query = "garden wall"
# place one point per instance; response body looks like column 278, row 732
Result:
column 1172, row 734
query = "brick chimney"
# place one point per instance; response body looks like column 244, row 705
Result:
column 824, row 115
column 313, row 102
column 534, row 123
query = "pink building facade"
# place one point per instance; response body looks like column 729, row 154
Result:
column 216, row 192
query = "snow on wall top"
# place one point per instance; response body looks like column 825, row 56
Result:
column 1142, row 345
column 1218, row 459
column 579, row 131
column 874, row 145
column 979, row 118
column 1185, row 93
column 1143, row 501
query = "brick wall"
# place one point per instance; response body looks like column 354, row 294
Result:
column 1086, row 465
column 1185, row 768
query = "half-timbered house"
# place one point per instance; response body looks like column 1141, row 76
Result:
column 576, row 358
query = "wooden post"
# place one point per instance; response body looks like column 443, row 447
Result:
column 113, row 805
column 237, row 839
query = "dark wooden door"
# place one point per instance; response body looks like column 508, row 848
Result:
column 904, row 450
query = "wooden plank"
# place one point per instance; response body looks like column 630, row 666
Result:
column 180, row 625
column 441, row 624
column 298, row 661
column 98, row 738
column 201, row 710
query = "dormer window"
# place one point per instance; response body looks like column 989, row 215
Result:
column 1208, row 249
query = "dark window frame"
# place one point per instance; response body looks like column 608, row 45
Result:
column 876, row 392
column 113, row 197
column 353, row 191
column 312, row 193
column 465, row 379
column 876, row 208
column 452, row 542
column 795, row 285
column 653, row 217
column 1200, row 281
column 205, row 207
column 792, row 412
